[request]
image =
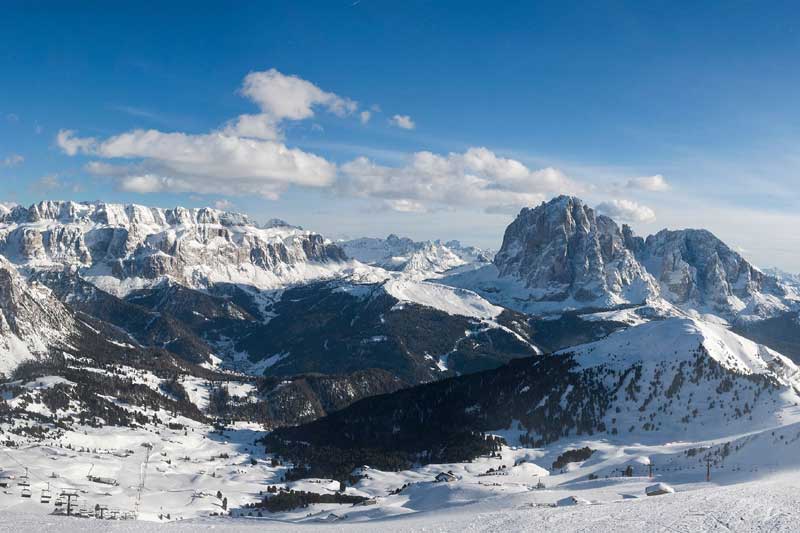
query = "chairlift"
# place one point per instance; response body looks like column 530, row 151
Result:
column 45, row 497
column 59, row 502
column 26, row 492
column 23, row 480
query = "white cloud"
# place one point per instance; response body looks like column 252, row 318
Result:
column 364, row 116
column 626, row 211
column 260, row 126
column 223, row 204
column 655, row 183
column 402, row 121
column 180, row 162
column 405, row 206
column 477, row 177
column 290, row 97
column 281, row 97
column 13, row 160
column 146, row 183
column 72, row 145
column 245, row 157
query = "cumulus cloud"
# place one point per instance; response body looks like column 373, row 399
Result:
column 13, row 160
column 246, row 156
column 655, row 183
column 180, row 162
column 72, row 145
column 477, row 177
column 223, row 204
column 281, row 97
column 402, row 121
column 626, row 211
column 364, row 116
column 290, row 97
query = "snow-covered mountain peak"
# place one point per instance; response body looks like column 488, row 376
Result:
column 677, row 340
column 564, row 251
column 419, row 260
column 696, row 270
column 68, row 212
column 121, row 247
column 563, row 255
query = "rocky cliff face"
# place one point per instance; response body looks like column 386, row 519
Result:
column 697, row 270
column 124, row 246
column 563, row 251
column 32, row 321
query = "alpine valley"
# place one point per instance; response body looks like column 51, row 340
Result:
column 194, row 364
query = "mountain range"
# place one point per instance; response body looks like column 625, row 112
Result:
column 222, row 299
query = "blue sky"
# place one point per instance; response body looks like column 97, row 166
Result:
column 669, row 114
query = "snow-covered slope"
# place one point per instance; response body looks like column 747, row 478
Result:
column 419, row 260
column 121, row 247
column 451, row 300
column 676, row 340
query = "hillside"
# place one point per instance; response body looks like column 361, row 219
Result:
column 671, row 379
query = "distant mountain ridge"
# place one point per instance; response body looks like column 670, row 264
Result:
column 124, row 247
column 418, row 259
column 563, row 255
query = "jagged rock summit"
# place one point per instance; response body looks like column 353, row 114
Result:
column 565, row 251
column 563, row 255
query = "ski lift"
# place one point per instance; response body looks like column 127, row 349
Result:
column 45, row 497
column 59, row 502
column 23, row 480
column 26, row 492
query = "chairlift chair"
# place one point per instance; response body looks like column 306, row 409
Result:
column 45, row 498
column 26, row 492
